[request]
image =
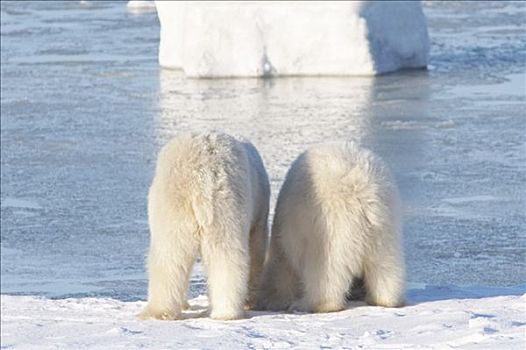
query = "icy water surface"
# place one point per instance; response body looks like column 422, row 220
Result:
column 85, row 108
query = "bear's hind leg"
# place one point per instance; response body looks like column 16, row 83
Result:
column 384, row 280
column 168, row 271
column 258, row 248
column 169, row 266
column 227, row 266
column 326, row 286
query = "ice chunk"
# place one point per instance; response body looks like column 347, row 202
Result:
column 171, row 15
column 234, row 39
column 140, row 5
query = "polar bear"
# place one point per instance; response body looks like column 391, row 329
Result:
column 337, row 220
column 210, row 195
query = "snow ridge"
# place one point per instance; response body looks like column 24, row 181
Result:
column 437, row 322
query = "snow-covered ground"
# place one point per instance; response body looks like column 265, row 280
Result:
column 100, row 323
column 85, row 108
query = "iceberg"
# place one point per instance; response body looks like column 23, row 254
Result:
column 140, row 5
column 258, row 39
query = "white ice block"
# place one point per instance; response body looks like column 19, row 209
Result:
column 140, row 5
column 253, row 39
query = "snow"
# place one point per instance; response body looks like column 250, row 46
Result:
column 434, row 319
column 233, row 39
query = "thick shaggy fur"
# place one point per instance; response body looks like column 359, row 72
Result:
column 210, row 195
column 336, row 220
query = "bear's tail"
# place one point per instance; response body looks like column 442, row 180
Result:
column 208, row 150
column 202, row 204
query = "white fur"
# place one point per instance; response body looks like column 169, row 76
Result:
column 210, row 195
column 337, row 219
